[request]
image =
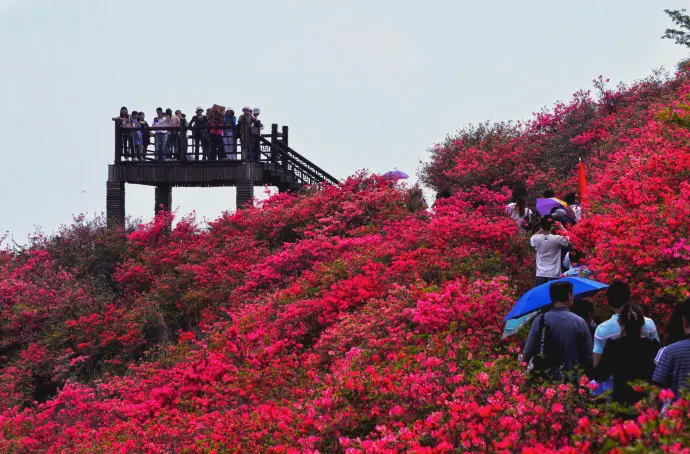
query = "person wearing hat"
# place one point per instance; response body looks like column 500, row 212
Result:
column 199, row 127
column 257, row 126
column 245, row 126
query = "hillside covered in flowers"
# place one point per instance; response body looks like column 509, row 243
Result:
column 353, row 318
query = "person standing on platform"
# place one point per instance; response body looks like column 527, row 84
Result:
column 229, row 124
column 245, row 126
column 173, row 121
column 199, row 126
column 160, row 139
column 257, row 126
column 145, row 133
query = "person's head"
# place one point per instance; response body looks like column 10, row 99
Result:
column 549, row 194
column 231, row 112
column 576, row 257
column 631, row 320
column 199, row 112
column 519, row 190
column 685, row 312
column 246, row 110
column 135, row 115
column 583, row 308
column 168, row 112
column 208, row 111
column 123, row 112
column 618, row 294
column 546, row 223
column 569, row 198
column 178, row 113
column 159, row 111
column 142, row 117
column 674, row 328
column 561, row 292
column 256, row 111
column 521, row 205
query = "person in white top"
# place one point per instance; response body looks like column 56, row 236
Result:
column 548, row 248
column 519, row 212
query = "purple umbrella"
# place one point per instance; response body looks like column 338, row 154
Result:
column 395, row 175
column 545, row 206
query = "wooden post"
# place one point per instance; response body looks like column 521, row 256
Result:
column 118, row 142
column 115, row 203
column 235, row 133
column 163, row 196
column 245, row 193
column 285, row 135
column 274, row 142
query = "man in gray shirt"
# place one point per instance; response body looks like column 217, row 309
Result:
column 569, row 340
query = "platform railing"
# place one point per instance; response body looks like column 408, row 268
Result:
column 196, row 146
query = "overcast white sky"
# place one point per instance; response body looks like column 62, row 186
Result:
column 362, row 84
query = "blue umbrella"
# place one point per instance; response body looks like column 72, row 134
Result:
column 395, row 175
column 539, row 297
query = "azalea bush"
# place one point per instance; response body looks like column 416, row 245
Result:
column 352, row 318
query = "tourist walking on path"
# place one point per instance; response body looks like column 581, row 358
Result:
column 673, row 361
column 548, row 248
column 618, row 295
column 559, row 342
column 629, row 357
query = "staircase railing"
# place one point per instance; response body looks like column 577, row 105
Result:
column 288, row 160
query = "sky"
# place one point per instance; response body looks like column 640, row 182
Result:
column 361, row 84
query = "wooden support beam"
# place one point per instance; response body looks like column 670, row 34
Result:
column 163, row 196
column 115, row 203
column 245, row 193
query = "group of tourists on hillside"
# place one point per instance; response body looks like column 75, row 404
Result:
column 213, row 132
column 622, row 349
column 565, row 342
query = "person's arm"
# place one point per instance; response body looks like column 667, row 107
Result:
column 663, row 373
column 598, row 346
column 531, row 343
column 604, row 369
column 652, row 332
column 586, row 354
column 532, row 241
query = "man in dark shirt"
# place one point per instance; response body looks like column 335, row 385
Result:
column 199, row 126
column 673, row 362
column 570, row 343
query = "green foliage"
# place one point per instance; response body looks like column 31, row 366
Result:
column 682, row 20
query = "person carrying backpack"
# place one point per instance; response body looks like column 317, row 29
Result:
column 559, row 342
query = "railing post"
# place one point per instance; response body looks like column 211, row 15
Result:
column 274, row 142
column 118, row 142
column 285, row 135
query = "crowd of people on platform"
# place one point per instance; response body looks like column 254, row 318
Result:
column 214, row 134
column 564, row 341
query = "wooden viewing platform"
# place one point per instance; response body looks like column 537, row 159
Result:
column 265, row 159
